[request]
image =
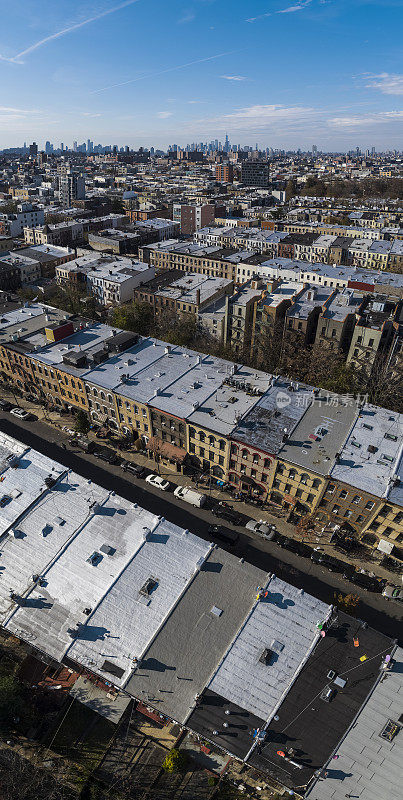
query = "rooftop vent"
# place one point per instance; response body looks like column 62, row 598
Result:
column 266, row 656
column 50, row 481
column 148, row 587
column 108, row 550
column 95, row 559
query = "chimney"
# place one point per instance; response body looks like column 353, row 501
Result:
column 198, row 297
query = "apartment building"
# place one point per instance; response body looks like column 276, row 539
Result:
column 376, row 328
column 62, row 233
column 192, row 217
column 110, row 279
column 28, row 268
column 224, row 173
column 27, row 215
column 255, row 173
column 312, row 452
column 190, row 293
column 302, row 315
column 336, row 321
column 241, row 312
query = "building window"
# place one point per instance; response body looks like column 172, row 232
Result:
column 370, row 505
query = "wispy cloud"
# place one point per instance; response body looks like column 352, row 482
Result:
column 386, row 82
column 233, row 77
column 187, row 16
column 259, row 16
column 297, row 7
column 365, row 120
column 164, row 114
column 18, row 58
column 164, row 71
column 263, row 117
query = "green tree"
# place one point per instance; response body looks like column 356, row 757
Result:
column 135, row 316
column 11, row 701
column 175, row 761
column 82, row 423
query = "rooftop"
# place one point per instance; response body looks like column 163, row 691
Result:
column 369, row 763
column 320, row 434
column 276, row 414
column 186, row 651
column 305, row 722
column 371, row 458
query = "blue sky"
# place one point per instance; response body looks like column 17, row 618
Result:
column 280, row 73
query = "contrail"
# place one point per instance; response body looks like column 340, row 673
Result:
column 164, row 71
column 17, row 58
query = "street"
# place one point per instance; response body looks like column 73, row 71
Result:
column 377, row 611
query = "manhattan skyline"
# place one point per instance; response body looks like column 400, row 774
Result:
column 276, row 73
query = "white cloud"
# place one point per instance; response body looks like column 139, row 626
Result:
column 262, row 116
column 187, row 16
column 164, row 114
column 259, row 16
column 375, row 118
column 386, row 82
column 233, row 77
column 8, row 110
column 299, row 7
column 17, row 59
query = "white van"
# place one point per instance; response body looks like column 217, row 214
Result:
column 190, row 496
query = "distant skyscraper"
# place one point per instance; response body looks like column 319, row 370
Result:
column 314, row 150
column 33, row 149
column 74, row 147
column 62, row 146
column 48, row 148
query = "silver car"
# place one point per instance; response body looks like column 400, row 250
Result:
column 263, row 529
column 393, row 592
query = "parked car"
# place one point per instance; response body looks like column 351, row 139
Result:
column 21, row 413
column 158, row 482
column 86, row 445
column 372, row 584
column 331, row 563
column 393, row 592
column 190, row 496
column 223, row 535
column 261, row 528
column 5, row 405
column 106, row 454
column 135, row 469
column 293, row 545
column 227, row 513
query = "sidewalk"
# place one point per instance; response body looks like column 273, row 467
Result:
column 65, row 426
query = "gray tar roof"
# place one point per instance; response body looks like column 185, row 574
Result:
column 369, row 766
column 276, row 414
column 321, row 433
column 185, row 654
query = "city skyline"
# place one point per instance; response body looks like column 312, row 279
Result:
column 279, row 74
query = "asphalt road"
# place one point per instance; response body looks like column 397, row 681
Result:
column 377, row 611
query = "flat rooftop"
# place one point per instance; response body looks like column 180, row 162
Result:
column 321, row 433
column 372, row 456
column 308, row 724
column 276, row 413
column 369, row 764
column 184, row 655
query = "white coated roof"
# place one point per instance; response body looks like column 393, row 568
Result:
column 372, row 454
column 284, row 622
column 65, row 527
